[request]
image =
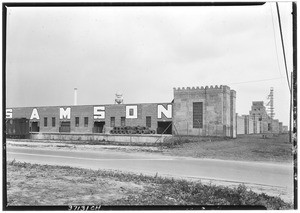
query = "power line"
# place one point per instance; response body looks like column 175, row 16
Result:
column 287, row 76
column 269, row 79
column 275, row 40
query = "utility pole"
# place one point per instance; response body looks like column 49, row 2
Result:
column 293, row 110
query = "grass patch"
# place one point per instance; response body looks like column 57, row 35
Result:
column 34, row 184
column 244, row 148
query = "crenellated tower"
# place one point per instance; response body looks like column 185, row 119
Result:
column 205, row 111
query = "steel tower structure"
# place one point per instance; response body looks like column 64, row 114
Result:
column 270, row 104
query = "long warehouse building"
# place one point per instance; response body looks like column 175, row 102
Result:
column 203, row 111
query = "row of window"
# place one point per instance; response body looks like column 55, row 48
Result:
column 46, row 121
column 86, row 121
column 197, row 118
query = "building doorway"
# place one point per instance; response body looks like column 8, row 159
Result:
column 35, row 126
column 164, row 127
column 98, row 126
column 65, row 126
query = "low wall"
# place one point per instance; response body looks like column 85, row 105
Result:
column 148, row 139
column 240, row 125
column 251, row 126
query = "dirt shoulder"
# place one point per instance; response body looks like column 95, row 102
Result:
column 33, row 184
column 275, row 149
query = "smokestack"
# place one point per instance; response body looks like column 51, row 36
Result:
column 75, row 96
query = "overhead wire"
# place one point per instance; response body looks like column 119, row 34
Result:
column 286, row 71
column 275, row 40
column 269, row 79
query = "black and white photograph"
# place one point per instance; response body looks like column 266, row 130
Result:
column 149, row 105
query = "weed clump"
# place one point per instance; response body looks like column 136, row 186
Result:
column 156, row 190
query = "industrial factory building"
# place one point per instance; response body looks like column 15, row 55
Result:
column 201, row 111
column 258, row 121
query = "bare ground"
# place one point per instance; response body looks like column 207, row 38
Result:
column 50, row 185
column 33, row 184
column 243, row 148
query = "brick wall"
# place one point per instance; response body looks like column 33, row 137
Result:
column 83, row 111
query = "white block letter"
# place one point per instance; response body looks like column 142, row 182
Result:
column 131, row 111
column 65, row 114
column 99, row 112
column 8, row 113
column 167, row 112
column 34, row 114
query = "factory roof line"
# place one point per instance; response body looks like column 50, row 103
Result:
column 80, row 105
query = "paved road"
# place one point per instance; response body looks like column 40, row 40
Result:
column 279, row 175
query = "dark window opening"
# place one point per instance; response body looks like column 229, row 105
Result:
column 269, row 127
column 122, row 121
column 35, row 127
column 98, row 126
column 86, row 121
column 77, row 121
column 148, row 121
column 197, row 114
column 164, row 127
column 45, row 121
column 65, row 126
column 112, row 121
column 53, row 121
column 131, row 112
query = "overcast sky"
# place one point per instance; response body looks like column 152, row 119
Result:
column 143, row 52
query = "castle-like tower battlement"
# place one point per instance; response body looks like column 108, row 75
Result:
column 202, row 88
column 208, row 110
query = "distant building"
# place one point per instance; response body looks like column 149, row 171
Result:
column 261, row 118
column 285, row 129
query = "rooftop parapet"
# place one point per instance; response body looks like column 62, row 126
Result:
column 257, row 103
column 183, row 89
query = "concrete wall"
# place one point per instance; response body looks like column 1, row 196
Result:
column 258, row 123
column 275, row 126
column 246, row 123
column 218, row 114
column 149, row 139
column 233, row 121
column 240, row 124
column 250, row 125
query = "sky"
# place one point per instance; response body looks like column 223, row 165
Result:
column 144, row 52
